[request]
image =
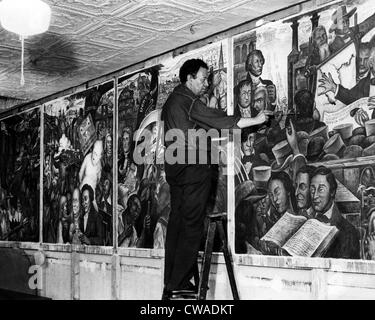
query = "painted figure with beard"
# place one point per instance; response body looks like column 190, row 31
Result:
column 319, row 52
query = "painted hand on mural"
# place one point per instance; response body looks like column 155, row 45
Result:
column 84, row 239
column 361, row 117
column 327, row 83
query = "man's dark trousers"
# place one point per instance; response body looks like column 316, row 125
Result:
column 190, row 188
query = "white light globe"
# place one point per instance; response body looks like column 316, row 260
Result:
column 25, row 17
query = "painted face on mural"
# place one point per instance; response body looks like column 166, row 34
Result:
column 364, row 55
column 320, row 193
column 199, row 84
column 255, row 65
column 245, row 96
column 247, row 146
column 135, row 209
column 126, row 142
column 320, row 37
column 279, row 196
column 108, row 142
column 260, row 99
column 303, row 191
column 75, row 203
column 63, row 208
column 86, row 203
column 371, row 61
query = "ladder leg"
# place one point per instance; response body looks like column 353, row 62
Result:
column 228, row 260
column 203, row 279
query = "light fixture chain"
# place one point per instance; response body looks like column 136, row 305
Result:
column 22, row 59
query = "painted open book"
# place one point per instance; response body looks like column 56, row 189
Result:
column 300, row 236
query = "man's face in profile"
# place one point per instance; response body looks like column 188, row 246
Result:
column 245, row 96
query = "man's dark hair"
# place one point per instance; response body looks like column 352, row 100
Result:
column 89, row 189
column 191, row 67
column 255, row 52
column 306, row 169
column 288, row 185
column 324, row 171
column 240, row 85
column 304, row 101
column 247, row 131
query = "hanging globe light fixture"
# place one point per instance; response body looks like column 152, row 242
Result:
column 25, row 18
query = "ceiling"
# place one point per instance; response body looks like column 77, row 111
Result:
column 91, row 38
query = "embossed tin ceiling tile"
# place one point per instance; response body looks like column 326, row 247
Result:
column 95, row 7
column 263, row 7
column 120, row 35
column 71, row 22
column 210, row 6
column 161, row 17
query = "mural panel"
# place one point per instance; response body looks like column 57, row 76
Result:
column 19, row 177
column 78, row 165
column 300, row 187
column 144, row 195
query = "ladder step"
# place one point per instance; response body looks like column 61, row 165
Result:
column 215, row 223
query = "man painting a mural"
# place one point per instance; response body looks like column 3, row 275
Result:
column 190, row 183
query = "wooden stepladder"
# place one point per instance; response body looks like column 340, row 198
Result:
column 215, row 222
